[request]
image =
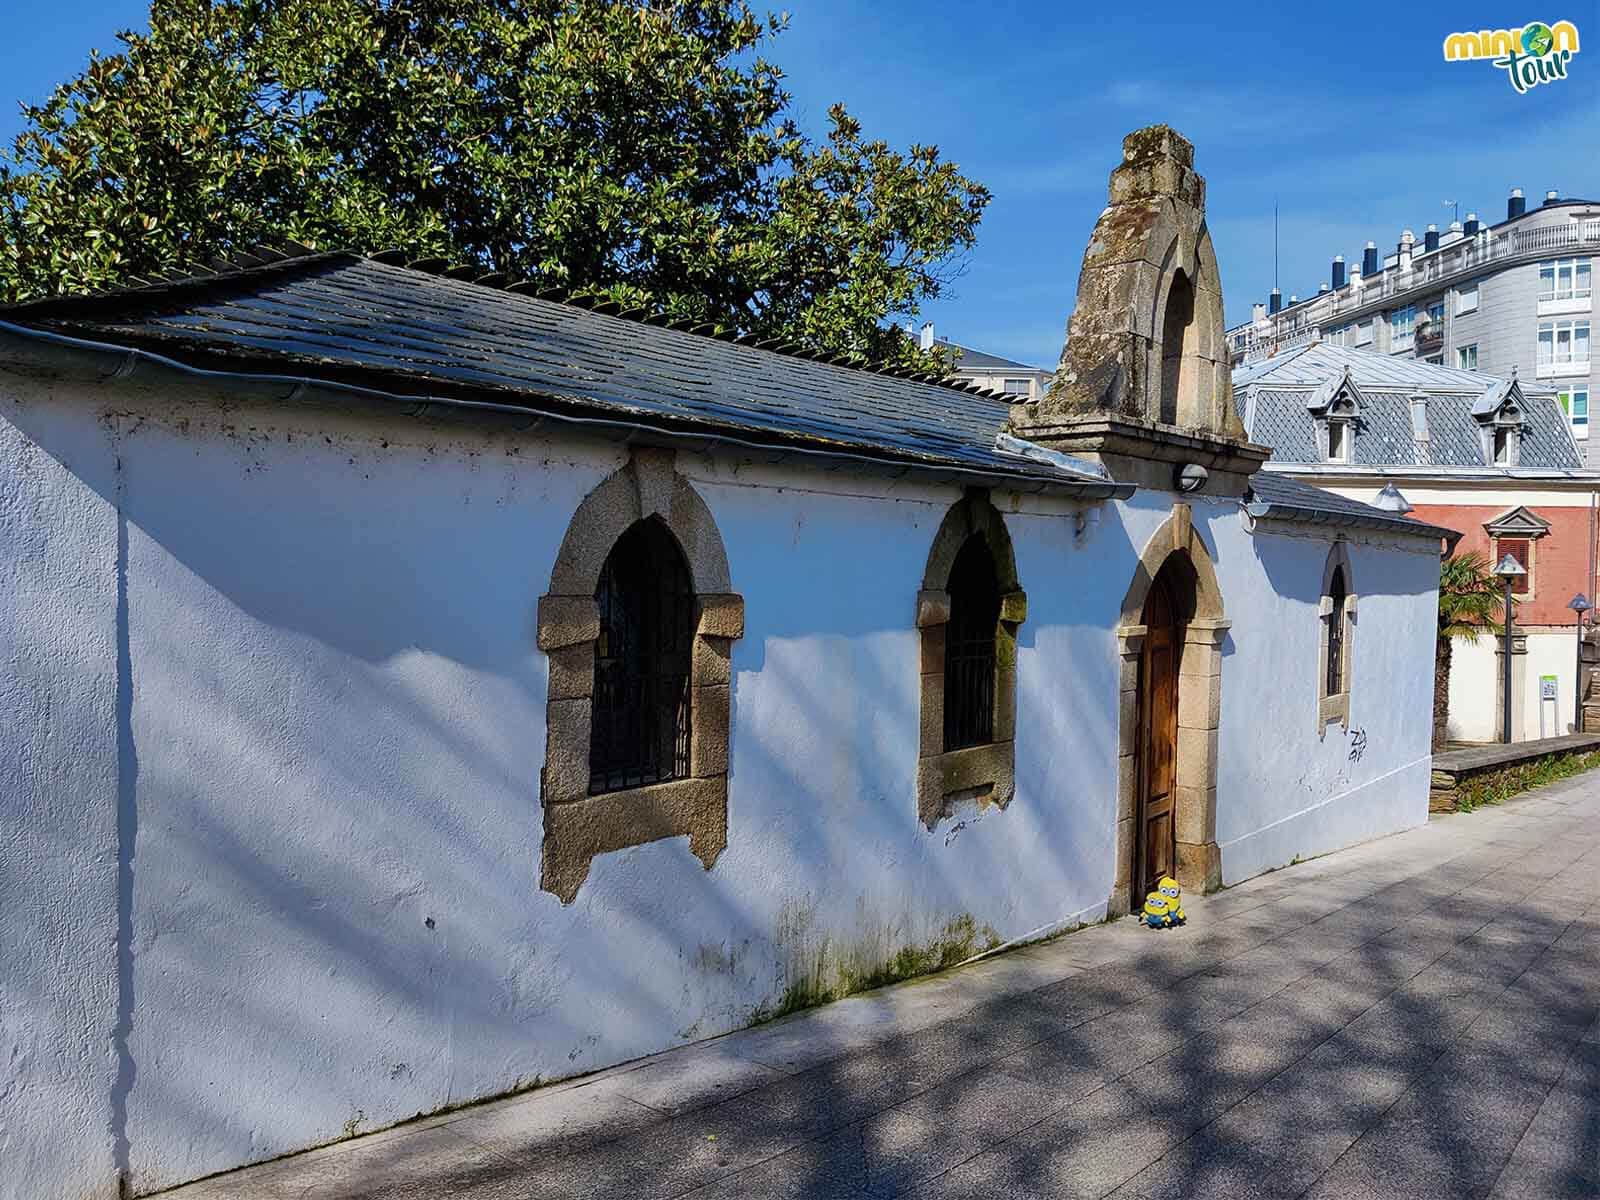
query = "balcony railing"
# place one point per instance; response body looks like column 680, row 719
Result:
column 1466, row 255
column 1428, row 269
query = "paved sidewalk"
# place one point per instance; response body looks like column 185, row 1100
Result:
column 1414, row 1018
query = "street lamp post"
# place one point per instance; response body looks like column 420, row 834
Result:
column 1508, row 570
column 1580, row 605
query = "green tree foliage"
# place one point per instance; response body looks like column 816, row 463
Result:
column 1470, row 600
column 640, row 150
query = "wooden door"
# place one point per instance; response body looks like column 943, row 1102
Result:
column 1156, row 846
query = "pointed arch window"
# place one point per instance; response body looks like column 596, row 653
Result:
column 1338, row 627
column 639, row 626
column 968, row 611
column 640, row 731
column 1177, row 337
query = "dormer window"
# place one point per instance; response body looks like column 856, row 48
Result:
column 1499, row 416
column 1341, row 422
column 1336, row 406
column 1507, row 435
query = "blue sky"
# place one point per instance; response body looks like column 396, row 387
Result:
column 1348, row 117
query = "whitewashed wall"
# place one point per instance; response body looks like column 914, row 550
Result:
column 283, row 731
column 1283, row 791
column 1550, row 652
column 61, row 1079
column 1475, row 714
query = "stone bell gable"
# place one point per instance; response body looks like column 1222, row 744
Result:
column 1144, row 383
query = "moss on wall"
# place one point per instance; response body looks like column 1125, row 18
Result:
column 824, row 970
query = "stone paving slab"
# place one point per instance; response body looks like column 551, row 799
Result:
column 1414, row 1017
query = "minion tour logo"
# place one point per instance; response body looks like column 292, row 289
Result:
column 1537, row 53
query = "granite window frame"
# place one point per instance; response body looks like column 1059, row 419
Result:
column 578, row 824
column 982, row 774
column 1333, row 706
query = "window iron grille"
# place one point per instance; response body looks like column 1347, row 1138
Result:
column 639, row 732
column 969, row 652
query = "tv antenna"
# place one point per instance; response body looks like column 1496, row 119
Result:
column 1274, row 243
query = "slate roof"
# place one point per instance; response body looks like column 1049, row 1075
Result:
column 1279, row 497
column 415, row 335
column 1271, row 396
column 350, row 319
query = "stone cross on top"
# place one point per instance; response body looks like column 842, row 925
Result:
column 1145, row 374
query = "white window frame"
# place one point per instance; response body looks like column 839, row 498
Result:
column 1466, row 300
column 1024, row 387
column 1577, row 421
column 1563, row 348
column 1340, row 436
column 1403, row 328
column 1568, row 279
column 1463, row 353
column 1566, row 285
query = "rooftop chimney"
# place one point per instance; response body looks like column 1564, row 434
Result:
column 1258, row 313
column 1551, row 197
column 1430, row 238
column 1470, row 229
column 1338, row 271
column 1369, row 259
column 1516, row 205
column 1407, row 240
column 1321, row 287
column 1274, row 300
column 927, row 335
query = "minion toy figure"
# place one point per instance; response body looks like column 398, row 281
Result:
column 1156, row 914
column 1174, row 894
column 1163, row 908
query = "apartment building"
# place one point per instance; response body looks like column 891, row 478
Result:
column 1513, row 299
column 1491, row 458
column 1017, row 380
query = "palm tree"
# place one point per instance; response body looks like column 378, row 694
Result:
column 1469, row 602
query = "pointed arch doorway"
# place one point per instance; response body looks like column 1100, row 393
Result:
column 1156, row 750
column 1171, row 640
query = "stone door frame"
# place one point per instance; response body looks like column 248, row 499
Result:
column 1199, row 711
